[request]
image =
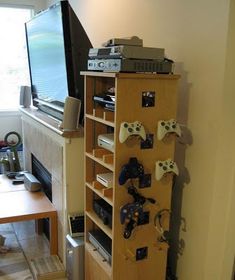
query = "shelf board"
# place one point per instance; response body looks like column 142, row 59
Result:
column 100, row 120
column 99, row 259
column 99, row 223
column 101, row 191
column 100, row 161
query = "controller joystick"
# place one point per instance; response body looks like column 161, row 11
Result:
column 165, row 127
column 133, row 169
column 163, row 167
column 129, row 129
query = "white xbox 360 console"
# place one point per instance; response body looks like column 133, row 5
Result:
column 106, row 179
column 106, row 141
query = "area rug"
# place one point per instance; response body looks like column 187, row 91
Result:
column 13, row 264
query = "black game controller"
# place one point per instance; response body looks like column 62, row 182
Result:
column 133, row 169
column 129, row 215
column 130, row 211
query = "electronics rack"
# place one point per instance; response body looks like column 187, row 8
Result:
column 145, row 250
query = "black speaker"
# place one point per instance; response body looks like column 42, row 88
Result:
column 25, row 96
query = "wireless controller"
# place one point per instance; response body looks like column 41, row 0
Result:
column 163, row 167
column 133, row 169
column 165, row 127
column 129, row 129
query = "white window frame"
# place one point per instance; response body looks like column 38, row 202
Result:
column 10, row 112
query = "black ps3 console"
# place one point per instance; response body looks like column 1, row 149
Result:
column 103, row 210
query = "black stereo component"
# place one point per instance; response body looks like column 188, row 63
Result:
column 104, row 211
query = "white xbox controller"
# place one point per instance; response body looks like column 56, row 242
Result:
column 165, row 127
column 128, row 129
column 163, row 167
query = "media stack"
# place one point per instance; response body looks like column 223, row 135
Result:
column 129, row 55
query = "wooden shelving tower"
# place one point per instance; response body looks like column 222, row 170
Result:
column 129, row 90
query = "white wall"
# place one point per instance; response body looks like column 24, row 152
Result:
column 195, row 35
column 10, row 121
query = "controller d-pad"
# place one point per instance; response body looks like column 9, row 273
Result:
column 130, row 129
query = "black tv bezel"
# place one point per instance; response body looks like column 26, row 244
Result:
column 76, row 48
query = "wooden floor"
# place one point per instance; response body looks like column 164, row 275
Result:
column 31, row 244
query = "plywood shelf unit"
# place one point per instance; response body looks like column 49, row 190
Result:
column 130, row 92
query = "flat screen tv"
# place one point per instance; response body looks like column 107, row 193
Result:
column 58, row 49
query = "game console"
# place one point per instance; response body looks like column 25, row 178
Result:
column 131, row 65
column 106, row 141
column 104, row 211
column 131, row 52
column 102, row 243
column 106, row 179
column 107, row 101
column 129, row 41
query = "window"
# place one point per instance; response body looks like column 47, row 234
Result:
column 13, row 55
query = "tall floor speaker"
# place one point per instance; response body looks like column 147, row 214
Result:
column 25, row 96
column 75, row 258
column 72, row 108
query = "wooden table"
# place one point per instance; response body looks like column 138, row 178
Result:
column 18, row 204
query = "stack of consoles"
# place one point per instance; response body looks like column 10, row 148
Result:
column 128, row 55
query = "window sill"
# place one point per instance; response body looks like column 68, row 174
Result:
column 9, row 112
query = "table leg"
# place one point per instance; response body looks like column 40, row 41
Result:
column 53, row 235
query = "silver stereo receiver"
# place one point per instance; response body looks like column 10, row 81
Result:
column 131, row 65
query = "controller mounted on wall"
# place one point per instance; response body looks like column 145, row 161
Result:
column 131, row 129
column 166, row 127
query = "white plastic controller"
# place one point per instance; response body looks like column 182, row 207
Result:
column 163, row 167
column 165, row 127
column 128, row 129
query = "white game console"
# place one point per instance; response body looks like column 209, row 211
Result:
column 106, row 179
column 106, row 141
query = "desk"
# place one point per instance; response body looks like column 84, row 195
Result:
column 20, row 205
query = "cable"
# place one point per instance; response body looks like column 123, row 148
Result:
column 164, row 234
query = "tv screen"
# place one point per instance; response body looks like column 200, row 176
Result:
column 58, row 49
